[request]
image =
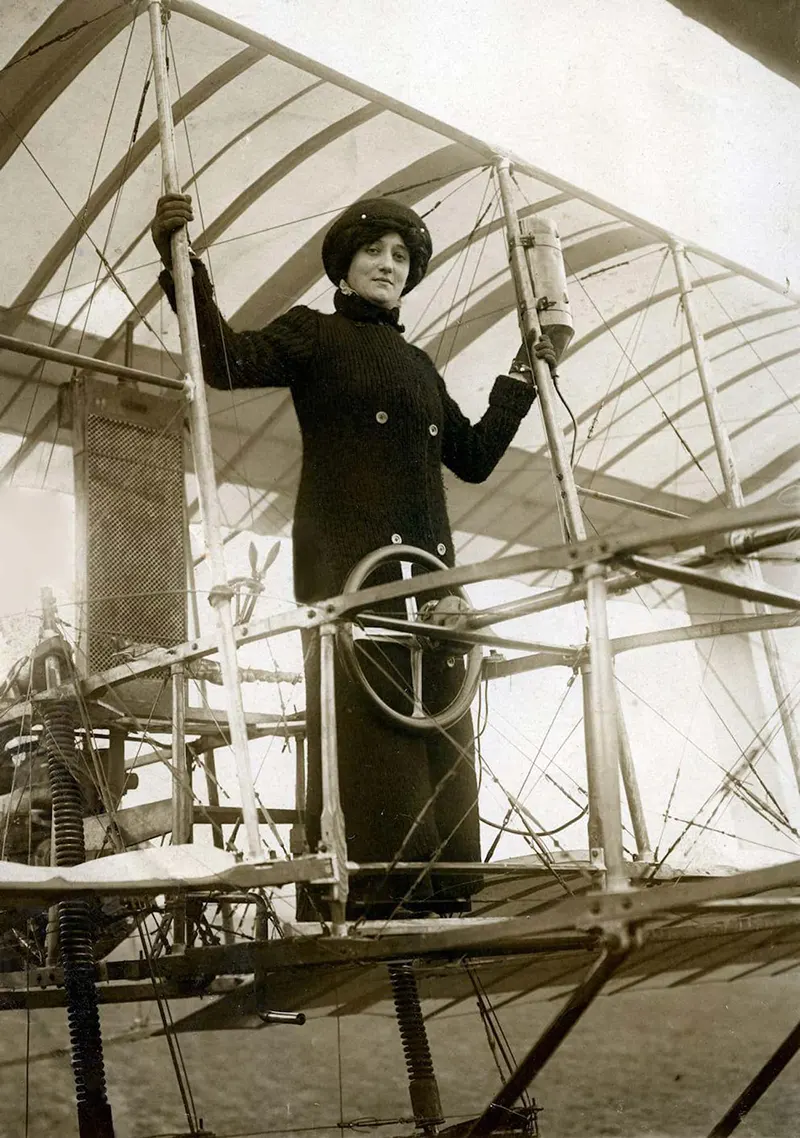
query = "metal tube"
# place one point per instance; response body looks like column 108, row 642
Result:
column 87, row 363
column 297, row 834
column 722, row 442
column 496, row 1113
column 713, row 628
column 181, row 773
column 181, row 790
column 604, row 731
column 594, row 830
column 631, row 784
column 758, row 1085
column 600, row 710
column 220, row 595
column 735, row 496
column 615, row 498
column 212, row 790
column 332, row 829
column 526, row 303
column 682, row 575
column 552, row 598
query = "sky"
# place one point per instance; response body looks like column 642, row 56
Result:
column 625, row 98
column 628, row 99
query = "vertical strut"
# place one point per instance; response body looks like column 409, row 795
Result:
column 181, row 790
column 600, row 709
column 332, row 829
column 735, row 498
column 221, row 593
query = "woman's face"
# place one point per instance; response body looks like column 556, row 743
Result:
column 379, row 270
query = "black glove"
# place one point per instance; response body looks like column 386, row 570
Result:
column 173, row 211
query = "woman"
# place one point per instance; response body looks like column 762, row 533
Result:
column 377, row 424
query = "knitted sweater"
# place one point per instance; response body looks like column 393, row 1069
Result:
column 376, row 421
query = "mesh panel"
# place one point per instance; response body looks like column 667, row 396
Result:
column 135, row 565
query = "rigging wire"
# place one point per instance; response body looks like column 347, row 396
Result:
column 68, row 33
column 532, row 765
column 727, row 775
column 483, row 209
column 337, row 209
column 39, row 367
column 729, row 834
column 495, row 1036
column 624, row 351
column 273, row 828
column 461, row 755
column 627, row 352
column 121, row 185
column 790, row 399
column 111, row 271
column 610, row 330
column 539, row 833
column 745, row 753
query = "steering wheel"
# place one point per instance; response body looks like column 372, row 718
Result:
column 367, row 628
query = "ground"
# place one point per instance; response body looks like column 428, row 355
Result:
column 658, row 1064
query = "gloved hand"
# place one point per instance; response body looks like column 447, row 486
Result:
column 173, row 211
column 543, row 350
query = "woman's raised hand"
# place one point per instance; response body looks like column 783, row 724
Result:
column 173, row 211
column 543, row 350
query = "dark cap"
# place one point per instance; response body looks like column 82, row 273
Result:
column 366, row 220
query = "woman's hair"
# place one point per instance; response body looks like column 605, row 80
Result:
column 367, row 220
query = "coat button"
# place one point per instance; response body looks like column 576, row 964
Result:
column 433, row 429
column 397, row 539
column 441, row 548
column 382, row 417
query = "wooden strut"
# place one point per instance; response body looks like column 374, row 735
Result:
column 221, row 592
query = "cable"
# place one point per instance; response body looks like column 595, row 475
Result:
column 68, row 33
column 574, row 423
column 539, row 833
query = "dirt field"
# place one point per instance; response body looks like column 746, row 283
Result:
column 658, row 1064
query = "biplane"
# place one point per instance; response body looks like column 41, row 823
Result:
column 640, row 752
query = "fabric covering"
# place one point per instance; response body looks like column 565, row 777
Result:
column 377, row 424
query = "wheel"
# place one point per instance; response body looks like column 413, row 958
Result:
column 356, row 635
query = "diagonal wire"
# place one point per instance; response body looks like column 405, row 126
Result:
column 792, row 400
column 112, row 272
column 73, row 252
column 461, row 755
column 483, row 210
column 68, row 33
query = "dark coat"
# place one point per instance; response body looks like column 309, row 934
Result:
column 377, row 425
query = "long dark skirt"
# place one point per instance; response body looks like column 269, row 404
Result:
column 404, row 797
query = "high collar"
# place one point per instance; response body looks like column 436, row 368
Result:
column 354, row 307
